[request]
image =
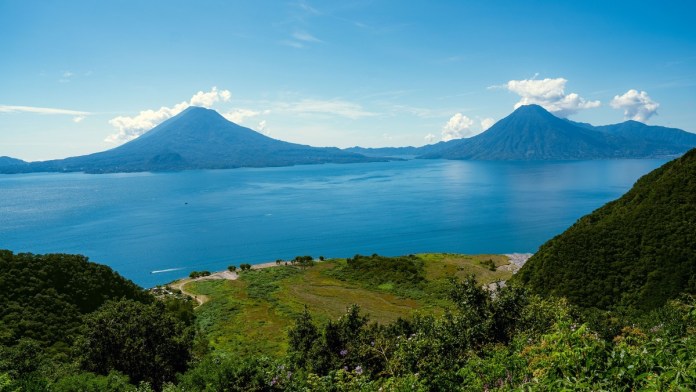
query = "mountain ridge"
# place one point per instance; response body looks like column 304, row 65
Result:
column 199, row 138
column 196, row 138
column 532, row 133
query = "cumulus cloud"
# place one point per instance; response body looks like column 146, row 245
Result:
column 129, row 128
column 550, row 94
column 430, row 138
column 458, row 126
column 487, row 123
column 208, row 99
column 636, row 105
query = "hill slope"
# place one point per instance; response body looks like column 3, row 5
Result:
column 199, row 138
column 635, row 252
column 43, row 297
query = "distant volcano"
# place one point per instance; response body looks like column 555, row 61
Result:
column 196, row 138
column 532, row 133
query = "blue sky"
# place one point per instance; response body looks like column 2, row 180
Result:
column 83, row 76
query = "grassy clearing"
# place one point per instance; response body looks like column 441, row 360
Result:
column 253, row 313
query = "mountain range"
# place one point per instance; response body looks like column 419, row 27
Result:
column 199, row 138
column 532, row 133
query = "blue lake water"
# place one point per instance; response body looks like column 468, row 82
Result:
column 195, row 220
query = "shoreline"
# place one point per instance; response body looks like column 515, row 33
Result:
column 516, row 260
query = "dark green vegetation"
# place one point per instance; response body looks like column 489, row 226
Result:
column 410, row 323
column 68, row 324
column 197, row 138
column 44, row 297
column 631, row 255
column 466, row 339
column 198, row 274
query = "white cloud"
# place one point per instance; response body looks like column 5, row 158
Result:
column 78, row 119
column 207, row 100
column 430, row 138
column 262, row 127
column 458, row 126
column 239, row 115
column 487, row 123
column 636, row 105
column 305, row 36
column 129, row 128
column 334, row 107
column 39, row 110
column 550, row 94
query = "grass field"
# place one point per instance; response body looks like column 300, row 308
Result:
column 253, row 313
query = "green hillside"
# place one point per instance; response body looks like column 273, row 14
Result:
column 253, row 313
column 43, row 297
column 634, row 253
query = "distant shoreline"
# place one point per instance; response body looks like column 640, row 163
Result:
column 517, row 260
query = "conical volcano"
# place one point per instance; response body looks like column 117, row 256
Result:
column 199, row 138
column 532, row 133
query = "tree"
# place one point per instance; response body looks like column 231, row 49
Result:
column 232, row 268
column 304, row 261
column 301, row 338
column 142, row 341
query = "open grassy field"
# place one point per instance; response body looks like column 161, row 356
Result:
column 253, row 313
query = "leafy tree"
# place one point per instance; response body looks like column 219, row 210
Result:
column 142, row 341
column 301, row 338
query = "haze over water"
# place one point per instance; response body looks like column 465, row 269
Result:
column 206, row 220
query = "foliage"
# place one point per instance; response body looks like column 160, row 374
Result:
column 379, row 272
column 198, row 274
column 44, row 296
column 143, row 341
column 303, row 261
column 631, row 255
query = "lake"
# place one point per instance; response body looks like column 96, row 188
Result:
column 206, row 220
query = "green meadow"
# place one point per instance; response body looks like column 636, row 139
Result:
column 252, row 314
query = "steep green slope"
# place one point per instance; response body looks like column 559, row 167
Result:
column 43, row 297
column 634, row 253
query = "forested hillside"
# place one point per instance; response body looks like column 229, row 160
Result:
column 44, row 296
column 67, row 324
column 507, row 341
column 633, row 254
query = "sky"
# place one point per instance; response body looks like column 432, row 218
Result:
column 81, row 76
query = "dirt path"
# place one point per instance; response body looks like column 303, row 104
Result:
column 200, row 298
